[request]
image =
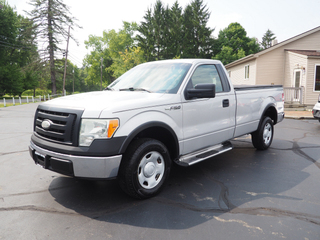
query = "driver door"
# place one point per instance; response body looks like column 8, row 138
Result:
column 208, row 121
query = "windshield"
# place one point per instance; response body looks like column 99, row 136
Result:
column 152, row 77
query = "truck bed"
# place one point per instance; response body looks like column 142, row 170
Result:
column 254, row 87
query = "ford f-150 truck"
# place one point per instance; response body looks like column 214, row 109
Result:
column 182, row 111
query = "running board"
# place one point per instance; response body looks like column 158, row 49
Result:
column 198, row 156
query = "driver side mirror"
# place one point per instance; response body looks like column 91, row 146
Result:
column 203, row 90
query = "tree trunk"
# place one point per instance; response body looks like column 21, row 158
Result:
column 51, row 50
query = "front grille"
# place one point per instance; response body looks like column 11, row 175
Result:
column 64, row 125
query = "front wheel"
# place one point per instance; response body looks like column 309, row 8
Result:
column 145, row 168
column 262, row 138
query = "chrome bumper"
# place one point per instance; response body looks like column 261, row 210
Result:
column 77, row 166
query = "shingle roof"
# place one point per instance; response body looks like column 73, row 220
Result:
column 309, row 53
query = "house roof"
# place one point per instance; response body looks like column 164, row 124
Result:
column 254, row 56
column 309, row 53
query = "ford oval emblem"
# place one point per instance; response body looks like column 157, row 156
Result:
column 46, row 124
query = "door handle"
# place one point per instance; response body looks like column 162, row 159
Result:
column 225, row 103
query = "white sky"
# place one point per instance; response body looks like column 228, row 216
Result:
column 285, row 18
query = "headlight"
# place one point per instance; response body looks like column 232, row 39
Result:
column 96, row 128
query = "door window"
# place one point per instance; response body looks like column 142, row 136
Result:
column 297, row 78
column 206, row 74
column 297, row 83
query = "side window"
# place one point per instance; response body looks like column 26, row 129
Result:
column 206, row 74
column 246, row 72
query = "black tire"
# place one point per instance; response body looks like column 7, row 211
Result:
column 262, row 138
column 144, row 169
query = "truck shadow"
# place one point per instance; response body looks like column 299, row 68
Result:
column 242, row 181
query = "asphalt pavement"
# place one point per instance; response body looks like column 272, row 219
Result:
column 242, row 194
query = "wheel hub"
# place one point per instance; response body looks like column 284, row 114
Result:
column 267, row 134
column 149, row 169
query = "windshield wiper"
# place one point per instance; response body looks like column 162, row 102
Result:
column 109, row 88
column 134, row 89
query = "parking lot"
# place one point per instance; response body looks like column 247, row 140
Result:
column 241, row 194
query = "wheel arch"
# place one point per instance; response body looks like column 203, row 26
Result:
column 270, row 111
column 156, row 130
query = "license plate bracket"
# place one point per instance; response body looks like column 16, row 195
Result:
column 40, row 159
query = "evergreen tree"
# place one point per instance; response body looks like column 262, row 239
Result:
column 52, row 19
column 169, row 32
column 267, row 39
column 159, row 25
column 175, row 28
column 197, row 40
column 146, row 38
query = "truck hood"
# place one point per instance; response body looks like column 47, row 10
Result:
column 93, row 103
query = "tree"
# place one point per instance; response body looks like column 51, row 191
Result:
column 233, row 43
column 267, row 39
column 10, row 76
column 227, row 55
column 109, row 47
column 146, row 39
column 151, row 32
column 175, row 29
column 17, row 52
column 128, row 59
column 73, row 80
column 169, row 33
column 197, row 40
column 51, row 19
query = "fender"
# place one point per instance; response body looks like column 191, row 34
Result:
column 149, row 125
column 271, row 111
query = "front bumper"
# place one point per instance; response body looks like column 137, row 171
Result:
column 76, row 166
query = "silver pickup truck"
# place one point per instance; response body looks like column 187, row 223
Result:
column 182, row 111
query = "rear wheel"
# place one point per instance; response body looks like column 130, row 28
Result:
column 145, row 168
column 262, row 138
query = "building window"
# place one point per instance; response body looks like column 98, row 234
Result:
column 246, row 72
column 317, row 78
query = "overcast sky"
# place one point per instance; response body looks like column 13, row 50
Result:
column 285, row 18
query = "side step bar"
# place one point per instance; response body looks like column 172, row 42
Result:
column 203, row 154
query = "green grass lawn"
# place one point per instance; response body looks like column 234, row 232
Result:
column 11, row 104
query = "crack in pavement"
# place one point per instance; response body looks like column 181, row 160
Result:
column 8, row 153
column 298, row 150
column 260, row 211
column 91, row 214
column 35, row 192
column 37, row 209
column 224, row 192
column 295, row 149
